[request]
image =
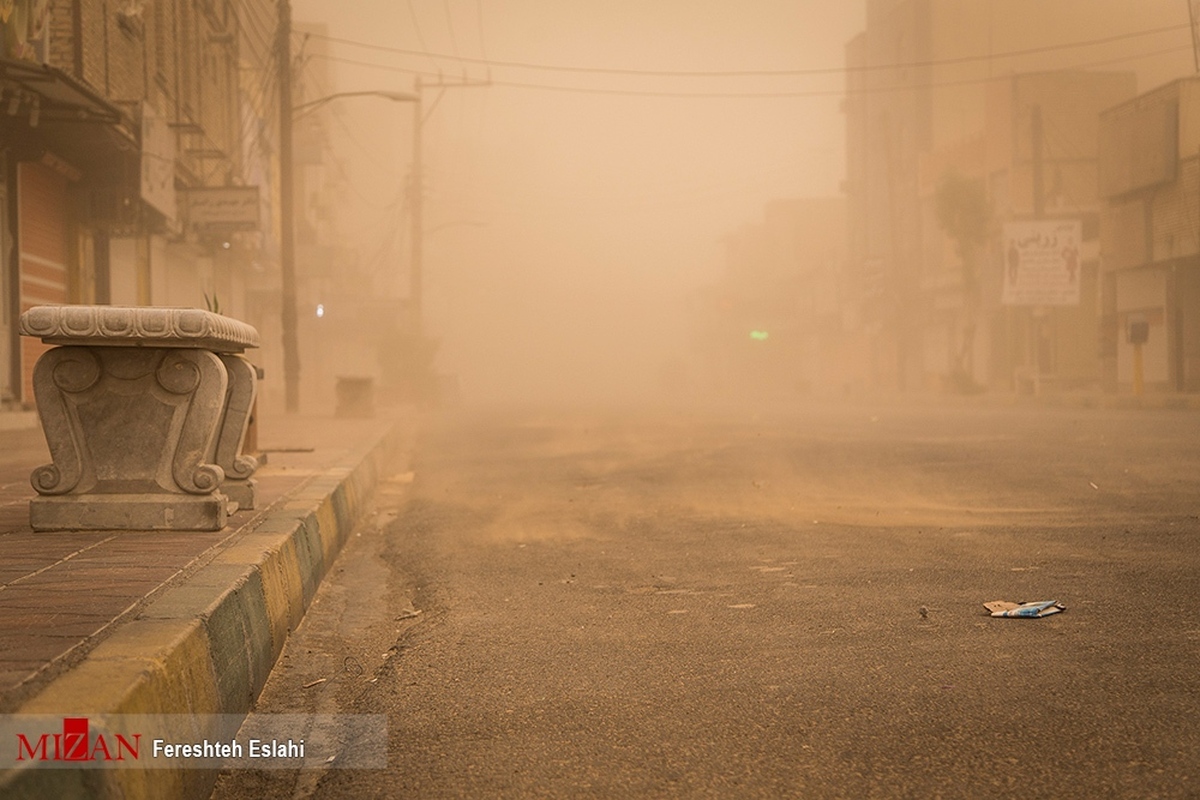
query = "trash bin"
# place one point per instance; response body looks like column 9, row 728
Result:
column 355, row 397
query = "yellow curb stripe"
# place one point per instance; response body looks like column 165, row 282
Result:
column 207, row 646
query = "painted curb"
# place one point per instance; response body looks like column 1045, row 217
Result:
column 206, row 646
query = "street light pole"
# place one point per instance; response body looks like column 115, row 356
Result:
column 304, row 109
column 287, row 255
column 417, row 232
column 287, row 209
column 287, row 219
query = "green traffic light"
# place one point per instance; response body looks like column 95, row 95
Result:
column 759, row 336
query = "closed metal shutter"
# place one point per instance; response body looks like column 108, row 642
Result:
column 42, row 257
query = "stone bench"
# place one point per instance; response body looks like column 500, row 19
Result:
column 144, row 411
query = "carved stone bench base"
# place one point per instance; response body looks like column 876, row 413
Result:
column 131, row 512
column 242, row 492
column 145, row 412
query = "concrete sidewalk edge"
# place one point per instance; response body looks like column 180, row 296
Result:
column 206, row 647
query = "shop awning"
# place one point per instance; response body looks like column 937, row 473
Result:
column 43, row 109
column 56, row 96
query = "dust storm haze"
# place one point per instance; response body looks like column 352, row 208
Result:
column 591, row 167
column 570, row 215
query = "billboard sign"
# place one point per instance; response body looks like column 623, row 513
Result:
column 1042, row 263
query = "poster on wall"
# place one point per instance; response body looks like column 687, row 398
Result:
column 1042, row 263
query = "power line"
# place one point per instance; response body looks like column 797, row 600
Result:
column 425, row 52
column 653, row 93
column 262, row 105
column 266, row 76
column 387, row 67
column 265, row 124
column 577, row 89
column 450, row 27
column 866, row 90
column 256, row 126
column 389, row 210
column 412, row 12
column 479, row 23
column 264, row 30
column 336, row 113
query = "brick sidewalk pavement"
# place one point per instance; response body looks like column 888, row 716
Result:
column 64, row 592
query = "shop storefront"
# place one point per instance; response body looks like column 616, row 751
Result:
column 64, row 147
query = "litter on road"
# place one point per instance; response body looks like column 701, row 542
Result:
column 1035, row 609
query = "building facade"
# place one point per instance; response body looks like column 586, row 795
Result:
column 925, row 89
column 1036, row 159
column 1150, row 238
column 118, row 116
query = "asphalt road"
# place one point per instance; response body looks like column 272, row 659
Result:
column 730, row 605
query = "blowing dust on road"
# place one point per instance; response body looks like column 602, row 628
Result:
column 708, row 604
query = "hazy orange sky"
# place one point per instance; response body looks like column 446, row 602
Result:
column 589, row 216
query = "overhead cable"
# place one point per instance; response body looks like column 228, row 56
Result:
column 491, row 62
column 865, row 90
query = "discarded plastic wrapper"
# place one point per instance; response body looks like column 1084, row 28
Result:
column 1038, row 608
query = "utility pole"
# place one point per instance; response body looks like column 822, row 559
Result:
column 1193, row 14
column 287, row 244
column 1039, row 212
column 897, row 274
column 417, row 234
column 1039, row 191
column 420, row 112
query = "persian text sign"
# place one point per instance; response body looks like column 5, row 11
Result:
column 1042, row 263
column 231, row 207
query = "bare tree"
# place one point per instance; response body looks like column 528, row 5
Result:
column 965, row 215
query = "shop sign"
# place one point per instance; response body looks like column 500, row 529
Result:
column 226, row 207
column 1042, row 263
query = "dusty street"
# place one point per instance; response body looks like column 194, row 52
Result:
column 770, row 605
